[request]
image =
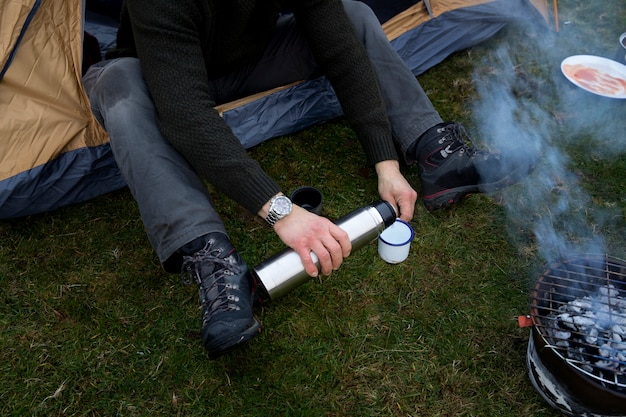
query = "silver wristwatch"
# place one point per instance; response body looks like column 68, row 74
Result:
column 280, row 206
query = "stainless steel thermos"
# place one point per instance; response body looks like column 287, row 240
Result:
column 284, row 271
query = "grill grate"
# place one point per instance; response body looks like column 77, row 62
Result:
column 579, row 308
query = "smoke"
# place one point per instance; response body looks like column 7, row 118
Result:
column 526, row 109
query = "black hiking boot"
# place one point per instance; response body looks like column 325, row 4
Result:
column 225, row 293
column 451, row 168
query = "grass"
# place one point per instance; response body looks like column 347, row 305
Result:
column 91, row 326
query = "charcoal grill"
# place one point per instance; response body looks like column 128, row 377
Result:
column 577, row 349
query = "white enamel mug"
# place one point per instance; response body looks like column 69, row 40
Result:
column 395, row 241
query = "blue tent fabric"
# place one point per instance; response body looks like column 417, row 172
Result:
column 311, row 102
column 79, row 175
column 74, row 177
column 103, row 28
column 429, row 44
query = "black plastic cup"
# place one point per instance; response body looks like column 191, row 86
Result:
column 309, row 198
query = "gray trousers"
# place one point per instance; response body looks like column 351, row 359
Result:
column 174, row 203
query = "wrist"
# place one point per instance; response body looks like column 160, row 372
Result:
column 277, row 208
column 386, row 166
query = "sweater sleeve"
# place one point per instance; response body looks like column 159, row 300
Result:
column 168, row 43
column 344, row 60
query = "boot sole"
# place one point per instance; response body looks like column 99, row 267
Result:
column 228, row 345
column 448, row 198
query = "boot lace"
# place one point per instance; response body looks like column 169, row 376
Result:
column 458, row 138
column 216, row 293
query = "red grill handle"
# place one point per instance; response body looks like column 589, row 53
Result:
column 524, row 321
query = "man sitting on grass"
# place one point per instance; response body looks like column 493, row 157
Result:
column 167, row 137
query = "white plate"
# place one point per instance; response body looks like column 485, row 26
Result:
column 601, row 76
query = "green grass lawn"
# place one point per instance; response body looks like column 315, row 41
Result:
column 91, row 326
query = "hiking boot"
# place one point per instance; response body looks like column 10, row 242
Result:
column 225, row 294
column 451, row 168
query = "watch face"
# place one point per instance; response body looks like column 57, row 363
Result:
column 282, row 206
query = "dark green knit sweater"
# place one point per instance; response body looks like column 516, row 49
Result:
column 183, row 43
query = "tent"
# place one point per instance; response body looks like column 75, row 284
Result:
column 52, row 150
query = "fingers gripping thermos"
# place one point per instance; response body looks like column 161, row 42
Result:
column 284, row 271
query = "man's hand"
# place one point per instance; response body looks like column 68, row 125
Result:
column 306, row 232
column 394, row 188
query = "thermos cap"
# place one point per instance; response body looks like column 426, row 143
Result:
column 386, row 211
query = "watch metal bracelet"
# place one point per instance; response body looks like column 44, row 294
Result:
column 271, row 219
